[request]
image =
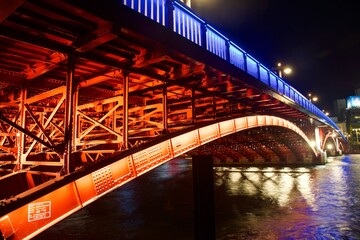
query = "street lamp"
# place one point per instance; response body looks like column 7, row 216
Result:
column 283, row 70
column 312, row 98
column 187, row 2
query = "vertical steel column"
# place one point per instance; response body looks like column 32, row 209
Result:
column 21, row 135
column 337, row 146
column 317, row 139
column 321, row 154
column 193, row 105
column 113, row 122
column 125, row 110
column 68, row 126
column 214, row 106
column 165, row 109
column 76, row 121
column 338, row 151
column 41, row 120
column 204, row 202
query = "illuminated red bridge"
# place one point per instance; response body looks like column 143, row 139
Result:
column 95, row 94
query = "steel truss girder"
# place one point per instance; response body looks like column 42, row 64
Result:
column 37, row 123
column 8, row 135
column 25, row 131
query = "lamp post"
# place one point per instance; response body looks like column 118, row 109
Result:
column 187, row 2
column 326, row 112
column 312, row 98
column 282, row 70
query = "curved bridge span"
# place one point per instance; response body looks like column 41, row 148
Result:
column 94, row 95
column 58, row 198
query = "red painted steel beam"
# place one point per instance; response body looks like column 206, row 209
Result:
column 57, row 148
column 103, row 34
column 8, row 7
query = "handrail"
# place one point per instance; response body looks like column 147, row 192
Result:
column 175, row 15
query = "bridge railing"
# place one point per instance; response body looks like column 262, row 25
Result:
column 154, row 9
column 187, row 24
column 216, row 42
column 178, row 17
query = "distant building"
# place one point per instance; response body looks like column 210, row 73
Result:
column 347, row 118
column 357, row 92
column 352, row 117
column 342, row 126
column 339, row 109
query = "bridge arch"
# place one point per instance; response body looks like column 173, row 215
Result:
column 183, row 142
column 72, row 192
column 269, row 145
column 331, row 144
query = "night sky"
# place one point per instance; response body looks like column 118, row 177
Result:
column 319, row 39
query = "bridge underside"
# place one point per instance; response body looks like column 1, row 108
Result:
column 82, row 87
column 268, row 145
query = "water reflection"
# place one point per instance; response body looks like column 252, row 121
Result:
column 320, row 202
column 270, row 183
column 290, row 203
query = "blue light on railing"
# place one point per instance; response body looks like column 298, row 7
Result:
column 273, row 81
column 286, row 90
column 216, row 32
column 264, row 74
column 190, row 26
column 237, row 56
column 252, row 66
column 153, row 9
column 215, row 42
column 280, row 86
column 185, row 9
column 186, row 24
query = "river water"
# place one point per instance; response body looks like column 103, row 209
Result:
column 321, row 202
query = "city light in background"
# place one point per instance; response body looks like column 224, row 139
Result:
column 312, row 98
column 187, row 2
column 282, row 69
column 251, row 25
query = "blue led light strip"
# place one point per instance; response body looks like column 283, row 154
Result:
column 190, row 31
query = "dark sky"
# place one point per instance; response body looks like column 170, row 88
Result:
column 319, row 39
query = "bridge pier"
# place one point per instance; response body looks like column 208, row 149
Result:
column 323, row 157
column 204, row 210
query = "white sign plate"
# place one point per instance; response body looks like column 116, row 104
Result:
column 38, row 211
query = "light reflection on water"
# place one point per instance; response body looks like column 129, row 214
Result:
column 272, row 183
column 320, row 202
column 291, row 203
